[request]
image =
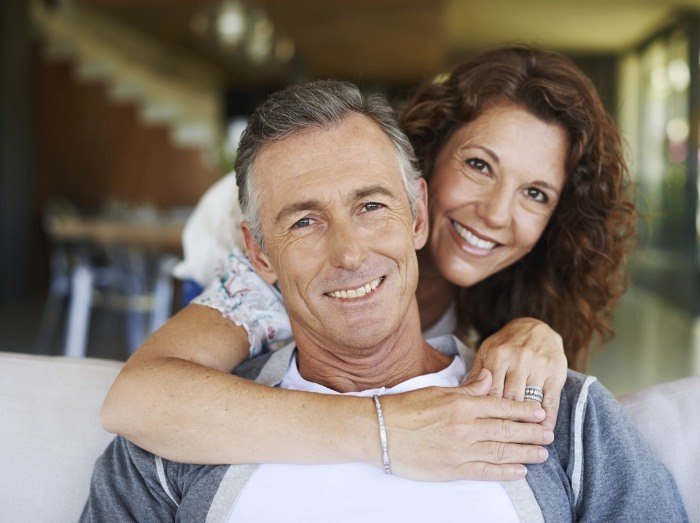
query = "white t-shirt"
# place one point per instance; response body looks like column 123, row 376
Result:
column 355, row 492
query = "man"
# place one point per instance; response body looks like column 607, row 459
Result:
column 334, row 214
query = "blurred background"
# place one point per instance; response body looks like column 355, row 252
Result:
column 117, row 115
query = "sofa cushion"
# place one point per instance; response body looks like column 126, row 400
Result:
column 668, row 416
column 50, row 434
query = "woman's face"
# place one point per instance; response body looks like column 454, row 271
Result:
column 493, row 188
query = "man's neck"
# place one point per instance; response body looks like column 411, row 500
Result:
column 401, row 356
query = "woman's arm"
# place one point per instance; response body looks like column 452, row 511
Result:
column 176, row 398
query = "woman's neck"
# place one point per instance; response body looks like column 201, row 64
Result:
column 434, row 294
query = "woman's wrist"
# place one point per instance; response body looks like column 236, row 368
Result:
column 361, row 433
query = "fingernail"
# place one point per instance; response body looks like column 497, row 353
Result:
column 540, row 413
column 543, row 454
column 482, row 375
column 548, row 436
column 521, row 471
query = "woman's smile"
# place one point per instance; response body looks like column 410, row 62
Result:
column 472, row 241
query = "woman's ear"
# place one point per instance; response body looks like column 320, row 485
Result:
column 258, row 258
column 421, row 225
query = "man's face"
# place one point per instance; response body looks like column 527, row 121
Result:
column 338, row 231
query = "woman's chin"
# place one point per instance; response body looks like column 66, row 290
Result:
column 464, row 275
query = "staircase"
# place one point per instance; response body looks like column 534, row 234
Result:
column 168, row 87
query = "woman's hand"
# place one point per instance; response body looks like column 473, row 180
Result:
column 526, row 352
column 443, row 434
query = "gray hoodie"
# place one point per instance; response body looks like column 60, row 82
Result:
column 599, row 468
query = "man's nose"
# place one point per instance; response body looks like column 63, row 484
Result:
column 348, row 250
column 496, row 207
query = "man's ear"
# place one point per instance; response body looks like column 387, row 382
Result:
column 258, row 258
column 420, row 223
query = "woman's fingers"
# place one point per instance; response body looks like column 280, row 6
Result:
column 499, row 373
column 515, row 382
column 503, row 409
column 550, row 404
column 504, row 453
column 506, row 431
column 551, row 386
column 485, row 471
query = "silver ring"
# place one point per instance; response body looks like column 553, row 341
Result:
column 534, row 393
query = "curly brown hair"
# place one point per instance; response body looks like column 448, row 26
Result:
column 575, row 273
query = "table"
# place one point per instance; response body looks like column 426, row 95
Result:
column 141, row 256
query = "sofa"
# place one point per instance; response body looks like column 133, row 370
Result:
column 50, row 434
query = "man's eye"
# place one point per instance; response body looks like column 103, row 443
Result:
column 372, row 206
column 537, row 195
column 301, row 224
column 479, row 165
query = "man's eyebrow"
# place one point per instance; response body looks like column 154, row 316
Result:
column 293, row 208
column 372, row 190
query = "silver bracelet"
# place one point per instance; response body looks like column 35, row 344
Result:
column 382, row 435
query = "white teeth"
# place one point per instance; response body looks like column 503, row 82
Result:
column 472, row 239
column 357, row 293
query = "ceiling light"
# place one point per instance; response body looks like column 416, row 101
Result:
column 231, row 23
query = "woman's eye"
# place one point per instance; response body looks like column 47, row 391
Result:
column 537, row 195
column 479, row 165
column 301, row 224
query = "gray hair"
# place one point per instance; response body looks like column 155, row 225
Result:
column 321, row 104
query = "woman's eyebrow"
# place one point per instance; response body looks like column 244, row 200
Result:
column 488, row 151
column 547, row 185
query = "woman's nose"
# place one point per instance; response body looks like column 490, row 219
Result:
column 496, row 209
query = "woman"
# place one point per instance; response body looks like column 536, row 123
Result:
column 572, row 277
column 529, row 218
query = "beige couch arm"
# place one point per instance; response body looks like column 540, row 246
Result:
column 50, row 434
column 668, row 416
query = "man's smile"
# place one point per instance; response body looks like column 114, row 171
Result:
column 357, row 292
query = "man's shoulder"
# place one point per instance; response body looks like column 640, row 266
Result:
column 585, row 400
column 584, row 387
column 267, row 368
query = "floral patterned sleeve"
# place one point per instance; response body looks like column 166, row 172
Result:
column 248, row 301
